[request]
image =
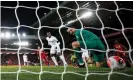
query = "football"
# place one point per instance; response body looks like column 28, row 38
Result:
column 116, row 62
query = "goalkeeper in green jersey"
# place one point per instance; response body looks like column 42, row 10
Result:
column 91, row 42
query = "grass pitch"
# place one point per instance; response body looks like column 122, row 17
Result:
column 55, row 73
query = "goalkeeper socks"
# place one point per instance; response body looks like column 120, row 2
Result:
column 63, row 59
column 79, row 56
column 54, row 60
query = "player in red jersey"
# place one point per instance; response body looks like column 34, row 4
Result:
column 123, row 55
column 9, row 61
column 43, row 56
column 119, row 47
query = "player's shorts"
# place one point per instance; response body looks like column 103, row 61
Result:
column 55, row 49
column 25, row 60
column 95, row 44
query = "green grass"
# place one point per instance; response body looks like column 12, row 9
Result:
column 34, row 71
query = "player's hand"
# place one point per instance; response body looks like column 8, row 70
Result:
column 75, row 44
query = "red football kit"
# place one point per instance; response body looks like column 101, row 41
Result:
column 44, row 57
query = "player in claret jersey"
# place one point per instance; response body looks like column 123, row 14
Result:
column 43, row 56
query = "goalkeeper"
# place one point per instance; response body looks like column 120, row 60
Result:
column 91, row 41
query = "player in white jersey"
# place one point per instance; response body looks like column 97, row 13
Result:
column 55, row 48
column 25, row 59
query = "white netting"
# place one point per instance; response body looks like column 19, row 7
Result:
column 20, row 70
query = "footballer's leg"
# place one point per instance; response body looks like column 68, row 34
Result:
column 90, row 60
column 97, row 56
column 24, row 63
column 52, row 52
column 45, row 60
column 27, row 63
column 89, row 44
column 85, row 55
column 76, row 47
column 61, row 56
column 95, row 44
column 42, row 61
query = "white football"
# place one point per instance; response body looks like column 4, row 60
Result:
column 116, row 62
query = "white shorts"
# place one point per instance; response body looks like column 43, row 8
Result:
column 25, row 60
column 55, row 49
column 85, row 53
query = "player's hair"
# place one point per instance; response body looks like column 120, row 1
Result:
column 116, row 41
column 48, row 32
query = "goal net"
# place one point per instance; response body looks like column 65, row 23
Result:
column 110, row 21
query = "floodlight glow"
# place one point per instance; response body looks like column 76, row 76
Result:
column 23, row 43
column 13, row 34
column 2, row 35
column 87, row 14
column 7, row 35
column 24, row 34
column 70, row 22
